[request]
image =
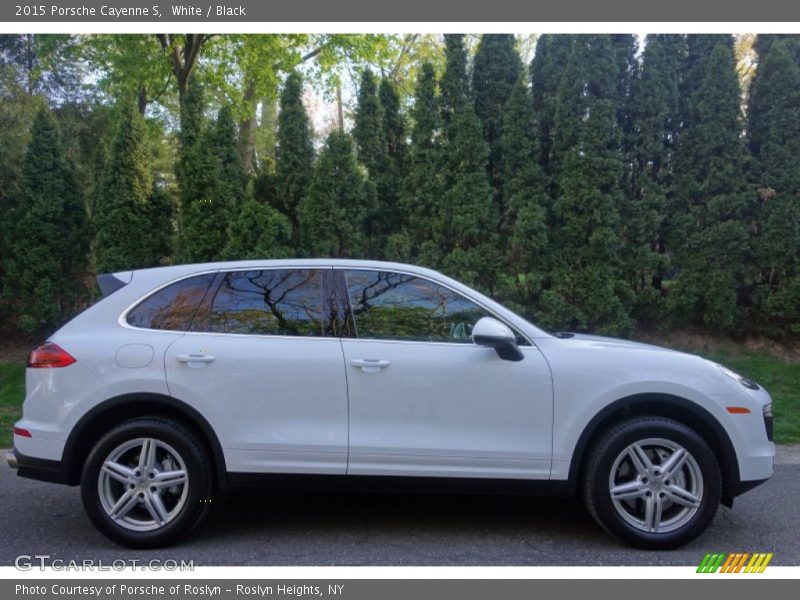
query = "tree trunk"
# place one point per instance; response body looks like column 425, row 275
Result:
column 183, row 57
column 141, row 99
column 339, row 109
column 183, row 87
column 247, row 129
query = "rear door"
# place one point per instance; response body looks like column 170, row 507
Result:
column 263, row 363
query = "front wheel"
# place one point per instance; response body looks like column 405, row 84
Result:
column 146, row 483
column 652, row 482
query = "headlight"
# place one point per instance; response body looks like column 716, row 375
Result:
column 748, row 383
column 768, row 411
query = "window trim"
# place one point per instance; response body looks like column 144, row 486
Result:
column 331, row 290
column 327, row 290
column 351, row 316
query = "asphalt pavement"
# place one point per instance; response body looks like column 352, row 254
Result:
column 268, row 528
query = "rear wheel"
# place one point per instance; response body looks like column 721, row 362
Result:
column 652, row 482
column 146, row 483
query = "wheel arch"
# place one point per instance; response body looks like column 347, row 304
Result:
column 91, row 426
column 680, row 409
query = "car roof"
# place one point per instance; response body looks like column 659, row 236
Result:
column 282, row 262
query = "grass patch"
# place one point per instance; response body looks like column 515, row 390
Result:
column 12, row 393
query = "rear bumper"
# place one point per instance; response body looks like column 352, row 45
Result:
column 41, row 469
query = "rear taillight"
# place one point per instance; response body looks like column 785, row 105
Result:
column 49, row 356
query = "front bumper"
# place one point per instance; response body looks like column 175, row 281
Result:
column 746, row 486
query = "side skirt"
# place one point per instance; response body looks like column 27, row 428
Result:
column 384, row 484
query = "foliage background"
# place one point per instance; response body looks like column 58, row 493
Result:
column 593, row 182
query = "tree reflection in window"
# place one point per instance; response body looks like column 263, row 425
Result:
column 172, row 307
column 394, row 306
column 271, row 302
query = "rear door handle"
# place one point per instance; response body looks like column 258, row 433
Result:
column 370, row 365
column 195, row 360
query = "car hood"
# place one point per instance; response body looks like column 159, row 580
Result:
column 600, row 341
column 594, row 358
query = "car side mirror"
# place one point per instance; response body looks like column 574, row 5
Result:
column 492, row 333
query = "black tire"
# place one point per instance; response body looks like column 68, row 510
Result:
column 597, row 473
column 200, row 482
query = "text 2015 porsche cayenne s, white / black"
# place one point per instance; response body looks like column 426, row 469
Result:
column 187, row 379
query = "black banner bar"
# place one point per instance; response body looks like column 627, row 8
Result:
column 472, row 11
column 387, row 589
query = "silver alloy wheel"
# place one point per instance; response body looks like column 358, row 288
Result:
column 143, row 484
column 656, row 485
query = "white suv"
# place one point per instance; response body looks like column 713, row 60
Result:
column 187, row 379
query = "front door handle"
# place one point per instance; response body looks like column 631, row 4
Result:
column 370, row 365
column 195, row 361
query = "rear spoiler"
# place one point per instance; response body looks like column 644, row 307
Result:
column 111, row 282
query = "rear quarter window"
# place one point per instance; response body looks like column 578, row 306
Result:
column 172, row 307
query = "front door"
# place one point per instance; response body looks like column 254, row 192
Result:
column 425, row 400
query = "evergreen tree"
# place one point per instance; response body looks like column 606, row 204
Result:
column 655, row 119
column 372, row 151
column 422, row 186
column 547, row 68
column 624, row 46
column 99, row 168
column 47, row 253
column 122, row 219
column 379, row 134
column 587, row 290
column 161, row 214
column 367, row 125
column 391, row 180
column 194, row 173
column 206, row 220
column 454, row 87
column 230, row 181
column 693, row 70
column 190, row 168
column 774, row 132
column 496, row 70
column 333, row 215
column 467, row 219
column 259, row 232
column 294, row 158
column 709, row 233
column 524, row 221
column 764, row 42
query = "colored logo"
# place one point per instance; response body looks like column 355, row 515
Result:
column 738, row 562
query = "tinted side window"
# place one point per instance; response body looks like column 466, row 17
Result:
column 394, row 306
column 271, row 302
column 172, row 307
